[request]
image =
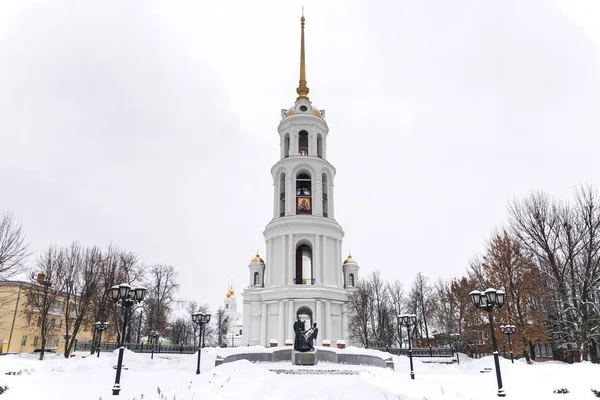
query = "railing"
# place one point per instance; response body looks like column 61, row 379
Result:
column 423, row 352
column 142, row 347
column 305, row 282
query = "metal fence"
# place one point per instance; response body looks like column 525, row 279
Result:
column 142, row 348
column 422, row 352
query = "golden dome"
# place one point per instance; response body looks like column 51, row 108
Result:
column 257, row 259
column 350, row 260
column 230, row 291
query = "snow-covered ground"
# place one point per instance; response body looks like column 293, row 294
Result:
column 172, row 377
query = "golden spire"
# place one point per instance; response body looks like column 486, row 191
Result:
column 302, row 89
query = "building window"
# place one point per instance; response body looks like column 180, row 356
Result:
column 282, row 195
column 36, row 341
column 303, row 265
column 57, row 342
column 49, row 342
column 240, row 331
column 256, row 279
column 51, row 324
column 303, row 194
column 59, row 323
column 351, row 280
column 24, row 340
column 27, row 320
column 226, row 306
column 303, row 143
column 325, row 207
column 39, row 321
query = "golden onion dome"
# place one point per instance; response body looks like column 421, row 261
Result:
column 350, row 260
column 257, row 259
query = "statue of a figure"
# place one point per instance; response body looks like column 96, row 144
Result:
column 303, row 340
column 299, row 342
column 309, row 336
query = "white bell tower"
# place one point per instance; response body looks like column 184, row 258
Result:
column 303, row 274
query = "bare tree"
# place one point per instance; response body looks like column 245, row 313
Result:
column 221, row 324
column 44, row 294
column 398, row 307
column 82, row 282
column 162, row 286
column 361, row 308
column 13, row 246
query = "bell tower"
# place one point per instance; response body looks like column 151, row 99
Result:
column 303, row 274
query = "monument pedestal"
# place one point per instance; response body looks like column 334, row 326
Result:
column 304, row 357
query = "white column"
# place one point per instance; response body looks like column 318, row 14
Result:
column 324, row 145
column 284, row 269
column 312, row 145
column 338, row 263
column 331, row 201
column 282, row 146
column 281, row 333
column 263, row 325
column 290, row 195
column 270, row 262
column 318, row 195
column 317, row 261
column 275, row 199
column 294, row 137
column 324, row 263
column 344, row 321
column 327, row 317
column 319, row 312
column 290, row 320
column 291, row 259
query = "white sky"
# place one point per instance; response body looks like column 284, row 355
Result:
column 153, row 124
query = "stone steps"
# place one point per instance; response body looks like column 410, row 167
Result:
column 298, row 371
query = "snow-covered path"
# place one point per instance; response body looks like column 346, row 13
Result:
column 172, row 377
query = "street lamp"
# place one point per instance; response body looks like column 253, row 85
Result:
column 100, row 326
column 200, row 319
column 408, row 320
column 125, row 296
column 455, row 337
column 154, row 335
column 489, row 301
column 508, row 330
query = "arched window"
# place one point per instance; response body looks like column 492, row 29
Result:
column 303, row 143
column 319, row 146
column 351, row 280
column 282, row 195
column 304, row 265
column 303, row 194
column 256, row 279
column 286, row 145
column 325, row 211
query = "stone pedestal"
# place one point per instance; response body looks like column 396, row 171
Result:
column 304, row 358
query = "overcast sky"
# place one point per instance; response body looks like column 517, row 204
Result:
column 152, row 125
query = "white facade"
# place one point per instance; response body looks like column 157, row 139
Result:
column 304, row 273
column 234, row 333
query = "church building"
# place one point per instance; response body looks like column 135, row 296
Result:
column 304, row 274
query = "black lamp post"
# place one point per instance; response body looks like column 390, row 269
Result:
column 408, row 320
column 508, row 330
column 201, row 319
column 125, row 296
column 489, row 301
column 154, row 335
column 455, row 337
column 100, row 326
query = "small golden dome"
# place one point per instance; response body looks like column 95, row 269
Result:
column 257, row 259
column 350, row 260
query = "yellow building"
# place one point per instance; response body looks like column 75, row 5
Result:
column 20, row 324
